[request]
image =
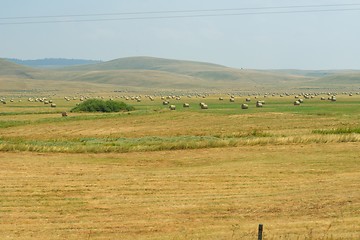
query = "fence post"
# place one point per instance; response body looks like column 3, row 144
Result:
column 260, row 232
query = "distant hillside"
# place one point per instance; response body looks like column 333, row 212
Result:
column 158, row 73
column 150, row 63
column 311, row 73
column 215, row 74
column 52, row 62
column 336, row 80
column 15, row 70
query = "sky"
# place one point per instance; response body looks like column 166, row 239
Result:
column 306, row 40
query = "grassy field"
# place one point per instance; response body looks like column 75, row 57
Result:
column 186, row 174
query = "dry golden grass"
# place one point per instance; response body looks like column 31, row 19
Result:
column 246, row 167
column 295, row 191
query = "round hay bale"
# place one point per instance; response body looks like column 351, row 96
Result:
column 296, row 103
column 220, row 98
column 165, row 103
column 53, row 105
column 259, row 104
column 186, row 105
column 244, row 106
column 203, row 106
column 248, row 99
column 232, row 100
column 64, row 114
column 172, row 107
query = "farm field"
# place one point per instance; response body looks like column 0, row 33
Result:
column 191, row 173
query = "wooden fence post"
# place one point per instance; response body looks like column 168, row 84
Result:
column 260, row 232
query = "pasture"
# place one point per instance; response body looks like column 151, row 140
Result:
column 190, row 173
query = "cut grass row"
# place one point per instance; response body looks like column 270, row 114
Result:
column 146, row 144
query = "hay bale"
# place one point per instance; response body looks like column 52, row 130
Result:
column 64, row 114
column 296, row 103
column 172, row 107
column 259, row 104
column 244, row 106
column 203, row 106
column 186, row 105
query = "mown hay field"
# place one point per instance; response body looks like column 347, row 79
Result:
column 190, row 173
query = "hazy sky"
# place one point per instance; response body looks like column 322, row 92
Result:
column 312, row 40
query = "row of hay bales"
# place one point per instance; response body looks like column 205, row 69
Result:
column 331, row 96
column 205, row 106
column 4, row 100
column 298, row 97
column 140, row 98
column 43, row 100
column 299, row 100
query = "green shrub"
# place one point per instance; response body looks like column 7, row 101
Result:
column 96, row 105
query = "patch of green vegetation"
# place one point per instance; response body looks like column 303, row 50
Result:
column 338, row 131
column 7, row 124
column 96, row 105
column 150, row 143
column 26, row 113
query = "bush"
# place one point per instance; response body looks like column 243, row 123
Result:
column 96, row 105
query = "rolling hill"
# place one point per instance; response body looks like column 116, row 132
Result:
column 52, row 62
column 10, row 69
column 159, row 73
column 180, row 73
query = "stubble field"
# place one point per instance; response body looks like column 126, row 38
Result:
column 186, row 174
